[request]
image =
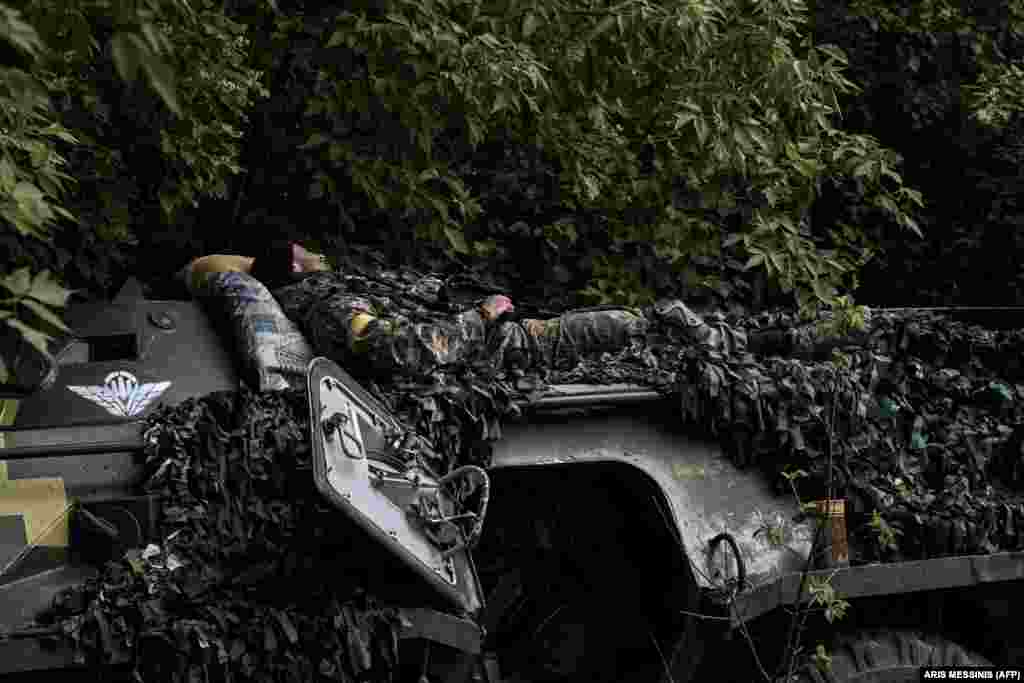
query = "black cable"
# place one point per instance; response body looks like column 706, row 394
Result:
column 741, row 568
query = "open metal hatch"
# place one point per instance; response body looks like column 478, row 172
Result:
column 399, row 502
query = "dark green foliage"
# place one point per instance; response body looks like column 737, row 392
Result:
column 584, row 156
column 118, row 119
column 939, row 82
column 627, row 172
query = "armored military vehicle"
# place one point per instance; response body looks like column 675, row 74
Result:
column 613, row 544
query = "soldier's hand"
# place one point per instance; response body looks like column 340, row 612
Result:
column 493, row 307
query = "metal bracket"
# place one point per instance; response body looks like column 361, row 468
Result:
column 439, row 627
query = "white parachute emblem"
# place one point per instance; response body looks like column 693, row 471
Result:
column 121, row 394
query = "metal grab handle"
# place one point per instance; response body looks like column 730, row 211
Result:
column 336, row 423
column 741, row 567
column 485, row 482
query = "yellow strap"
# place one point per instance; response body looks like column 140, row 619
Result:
column 8, row 410
column 359, row 323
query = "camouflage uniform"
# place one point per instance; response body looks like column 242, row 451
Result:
column 416, row 340
column 412, row 341
column 560, row 342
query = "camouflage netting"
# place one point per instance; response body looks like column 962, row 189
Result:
column 249, row 581
column 920, row 421
column 252, row 581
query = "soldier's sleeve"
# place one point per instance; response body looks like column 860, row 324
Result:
column 713, row 333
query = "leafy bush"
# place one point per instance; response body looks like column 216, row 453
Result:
column 68, row 115
column 632, row 105
column 939, row 85
column 33, row 183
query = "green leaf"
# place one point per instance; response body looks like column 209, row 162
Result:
column 45, row 314
column 489, row 40
column 702, row 130
column 602, row 27
column 834, row 52
column 61, row 133
column 157, row 42
column 27, row 193
column 501, row 101
column 485, row 248
column 912, row 225
column 823, row 291
column 822, row 660
column 126, row 49
column 65, row 214
column 269, row 639
column 33, row 336
column 530, row 24
column 732, row 240
column 46, row 289
column 439, row 205
column 755, row 260
column 682, row 119
column 338, row 37
column 287, row 626
column 8, row 176
column 19, row 33
column 863, row 168
column 755, row 134
column 161, row 77
column 314, row 140
column 456, row 239
column 19, row 283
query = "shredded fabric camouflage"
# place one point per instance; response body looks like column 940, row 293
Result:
column 917, row 422
column 911, row 389
column 932, row 449
column 249, row 559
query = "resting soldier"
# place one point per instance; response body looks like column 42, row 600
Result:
column 345, row 325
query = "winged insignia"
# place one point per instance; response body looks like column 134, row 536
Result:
column 121, row 394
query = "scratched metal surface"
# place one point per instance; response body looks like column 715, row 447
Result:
column 706, row 493
column 174, row 341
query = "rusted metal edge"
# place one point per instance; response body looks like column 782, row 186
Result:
column 886, row 579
